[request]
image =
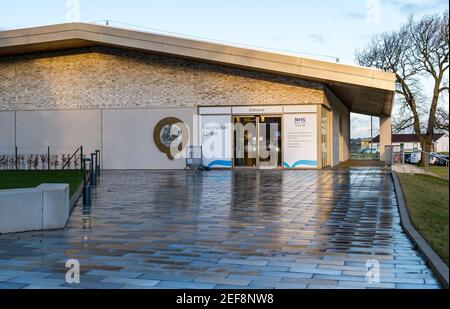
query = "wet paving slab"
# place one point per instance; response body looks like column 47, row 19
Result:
column 226, row 229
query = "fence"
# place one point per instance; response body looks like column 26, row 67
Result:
column 439, row 165
column 41, row 158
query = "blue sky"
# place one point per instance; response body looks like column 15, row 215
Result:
column 326, row 27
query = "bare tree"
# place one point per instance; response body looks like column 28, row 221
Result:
column 442, row 121
column 418, row 54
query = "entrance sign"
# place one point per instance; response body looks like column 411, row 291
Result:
column 257, row 110
column 215, row 137
column 300, row 140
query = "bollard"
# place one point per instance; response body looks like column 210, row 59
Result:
column 92, row 170
column 97, row 162
column 86, row 185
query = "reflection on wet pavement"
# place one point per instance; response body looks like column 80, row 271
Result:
column 226, row 229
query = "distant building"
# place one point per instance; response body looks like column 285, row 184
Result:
column 365, row 143
column 411, row 142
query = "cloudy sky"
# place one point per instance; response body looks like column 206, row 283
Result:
column 324, row 29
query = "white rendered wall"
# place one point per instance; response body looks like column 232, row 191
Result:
column 63, row 131
column 128, row 138
column 7, row 142
column 125, row 136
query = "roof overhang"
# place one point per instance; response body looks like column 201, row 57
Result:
column 362, row 90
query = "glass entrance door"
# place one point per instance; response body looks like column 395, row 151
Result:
column 245, row 141
column 257, row 141
column 269, row 135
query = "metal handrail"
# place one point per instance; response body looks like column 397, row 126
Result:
column 72, row 156
column 428, row 156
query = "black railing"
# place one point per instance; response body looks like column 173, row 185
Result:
column 40, row 158
column 69, row 161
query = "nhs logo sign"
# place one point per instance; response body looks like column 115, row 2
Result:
column 300, row 120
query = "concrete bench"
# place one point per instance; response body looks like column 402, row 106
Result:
column 41, row 208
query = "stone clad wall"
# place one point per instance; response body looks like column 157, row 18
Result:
column 97, row 78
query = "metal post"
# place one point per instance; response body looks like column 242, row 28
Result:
column 48, row 157
column 86, row 185
column 446, row 164
column 17, row 165
column 371, row 134
column 81, row 156
column 92, row 170
column 97, row 162
column 402, row 153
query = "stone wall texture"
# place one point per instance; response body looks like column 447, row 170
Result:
column 97, row 78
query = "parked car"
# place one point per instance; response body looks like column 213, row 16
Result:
column 407, row 157
column 433, row 157
column 370, row 151
column 441, row 161
column 415, row 157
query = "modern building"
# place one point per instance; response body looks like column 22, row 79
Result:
column 134, row 94
column 411, row 142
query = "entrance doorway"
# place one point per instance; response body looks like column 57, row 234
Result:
column 257, row 141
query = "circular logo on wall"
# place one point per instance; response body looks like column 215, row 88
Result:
column 168, row 136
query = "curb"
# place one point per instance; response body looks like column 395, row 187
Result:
column 434, row 261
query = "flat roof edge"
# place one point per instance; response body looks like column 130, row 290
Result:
column 305, row 68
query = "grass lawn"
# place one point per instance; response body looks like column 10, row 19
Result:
column 30, row 179
column 439, row 170
column 427, row 203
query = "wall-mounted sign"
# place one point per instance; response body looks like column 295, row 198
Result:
column 215, row 137
column 300, row 140
column 257, row 110
column 171, row 136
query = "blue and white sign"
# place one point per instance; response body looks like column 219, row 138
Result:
column 300, row 140
column 215, row 137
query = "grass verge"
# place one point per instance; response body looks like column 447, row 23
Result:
column 31, row 179
column 427, row 202
column 439, row 170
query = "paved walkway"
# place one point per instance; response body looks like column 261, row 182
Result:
column 224, row 229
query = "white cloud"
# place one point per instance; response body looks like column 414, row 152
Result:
column 360, row 126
